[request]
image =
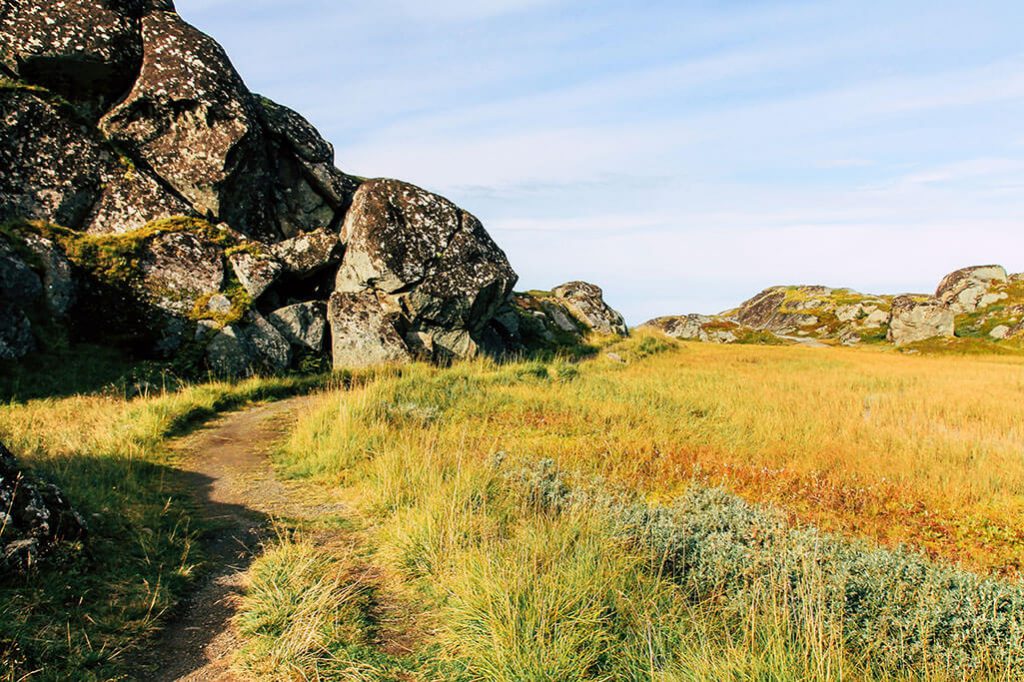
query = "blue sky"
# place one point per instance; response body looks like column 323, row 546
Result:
column 683, row 155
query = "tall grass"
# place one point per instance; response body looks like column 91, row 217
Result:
column 83, row 615
column 515, row 575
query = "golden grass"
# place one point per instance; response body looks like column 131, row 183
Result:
column 82, row 616
column 898, row 448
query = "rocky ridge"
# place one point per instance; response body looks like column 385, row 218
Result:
column 247, row 252
column 977, row 302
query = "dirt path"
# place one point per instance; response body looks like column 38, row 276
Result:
column 227, row 465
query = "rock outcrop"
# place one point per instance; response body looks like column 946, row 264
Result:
column 34, row 516
column 969, row 289
column 814, row 311
column 543, row 321
column 979, row 302
column 436, row 275
column 919, row 319
column 150, row 199
column 706, row 328
column 586, row 302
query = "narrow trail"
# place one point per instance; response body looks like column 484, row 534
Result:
column 227, row 466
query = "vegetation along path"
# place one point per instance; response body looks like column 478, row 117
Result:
column 227, row 464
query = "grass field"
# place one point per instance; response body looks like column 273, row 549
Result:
column 652, row 519
column 498, row 534
column 85, row 615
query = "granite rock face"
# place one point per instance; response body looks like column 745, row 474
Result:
column 169, row 207
column 82, row 49
column 968, row 289
column 914, row 319
column 586, row 302
column 432, row 268
column 188, row 96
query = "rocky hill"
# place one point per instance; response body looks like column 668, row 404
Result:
column 149, row 199
column 976, row 302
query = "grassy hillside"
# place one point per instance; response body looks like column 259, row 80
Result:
column 560, row 521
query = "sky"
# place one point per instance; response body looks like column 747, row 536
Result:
column 682, row 155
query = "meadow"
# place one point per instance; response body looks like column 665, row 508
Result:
column 660, row 511
column 695, row 512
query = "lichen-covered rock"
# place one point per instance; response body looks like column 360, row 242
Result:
column 587, row 303
column 226, row 351
column 34, row 516
column 919, row 319
column 57, row 275
column 51, row 168
column 682, row 327
column 255, row 271
column 303, row 324
column 252, row 346
column 308, row 253
column 363, row 332
column 179, row 268
column 309, row 191
column 814, row 312
column 131, row 198
column 20, row 289
column 268, row 349
column 428, row 258
column 705, row 328
column 82, row 49
column 18, row 283
column 58, row 170
column 16, row 339
column 969, row 289
column 188, row 96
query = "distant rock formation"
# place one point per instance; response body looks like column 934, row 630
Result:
column 706, row 328
column 969, row 289
column 148, row 197
column 557, row 320
column 980, row 302
column 586, row 302
column 34, row 516
column 919, row 319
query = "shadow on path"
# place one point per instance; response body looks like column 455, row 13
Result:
column 226, row 466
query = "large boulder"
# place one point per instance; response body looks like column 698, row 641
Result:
column 586, row 302
column 34, row 516
column 177, row 269
column 52, row 169
column 304, row 325
column 682, row 327
column 917, row 318
column 705, row 328
column 16, row 338
column 246, row 348
column 86, row 50
column 309, row 253
column 969, row 289
column 363, row 332
column 57, row 275
column 427, row 259
column 256, row 271
column 188, row 96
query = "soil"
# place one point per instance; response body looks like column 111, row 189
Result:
column 227, row 464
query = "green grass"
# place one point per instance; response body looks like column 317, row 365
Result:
column 507, row 568
column 86, row 613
